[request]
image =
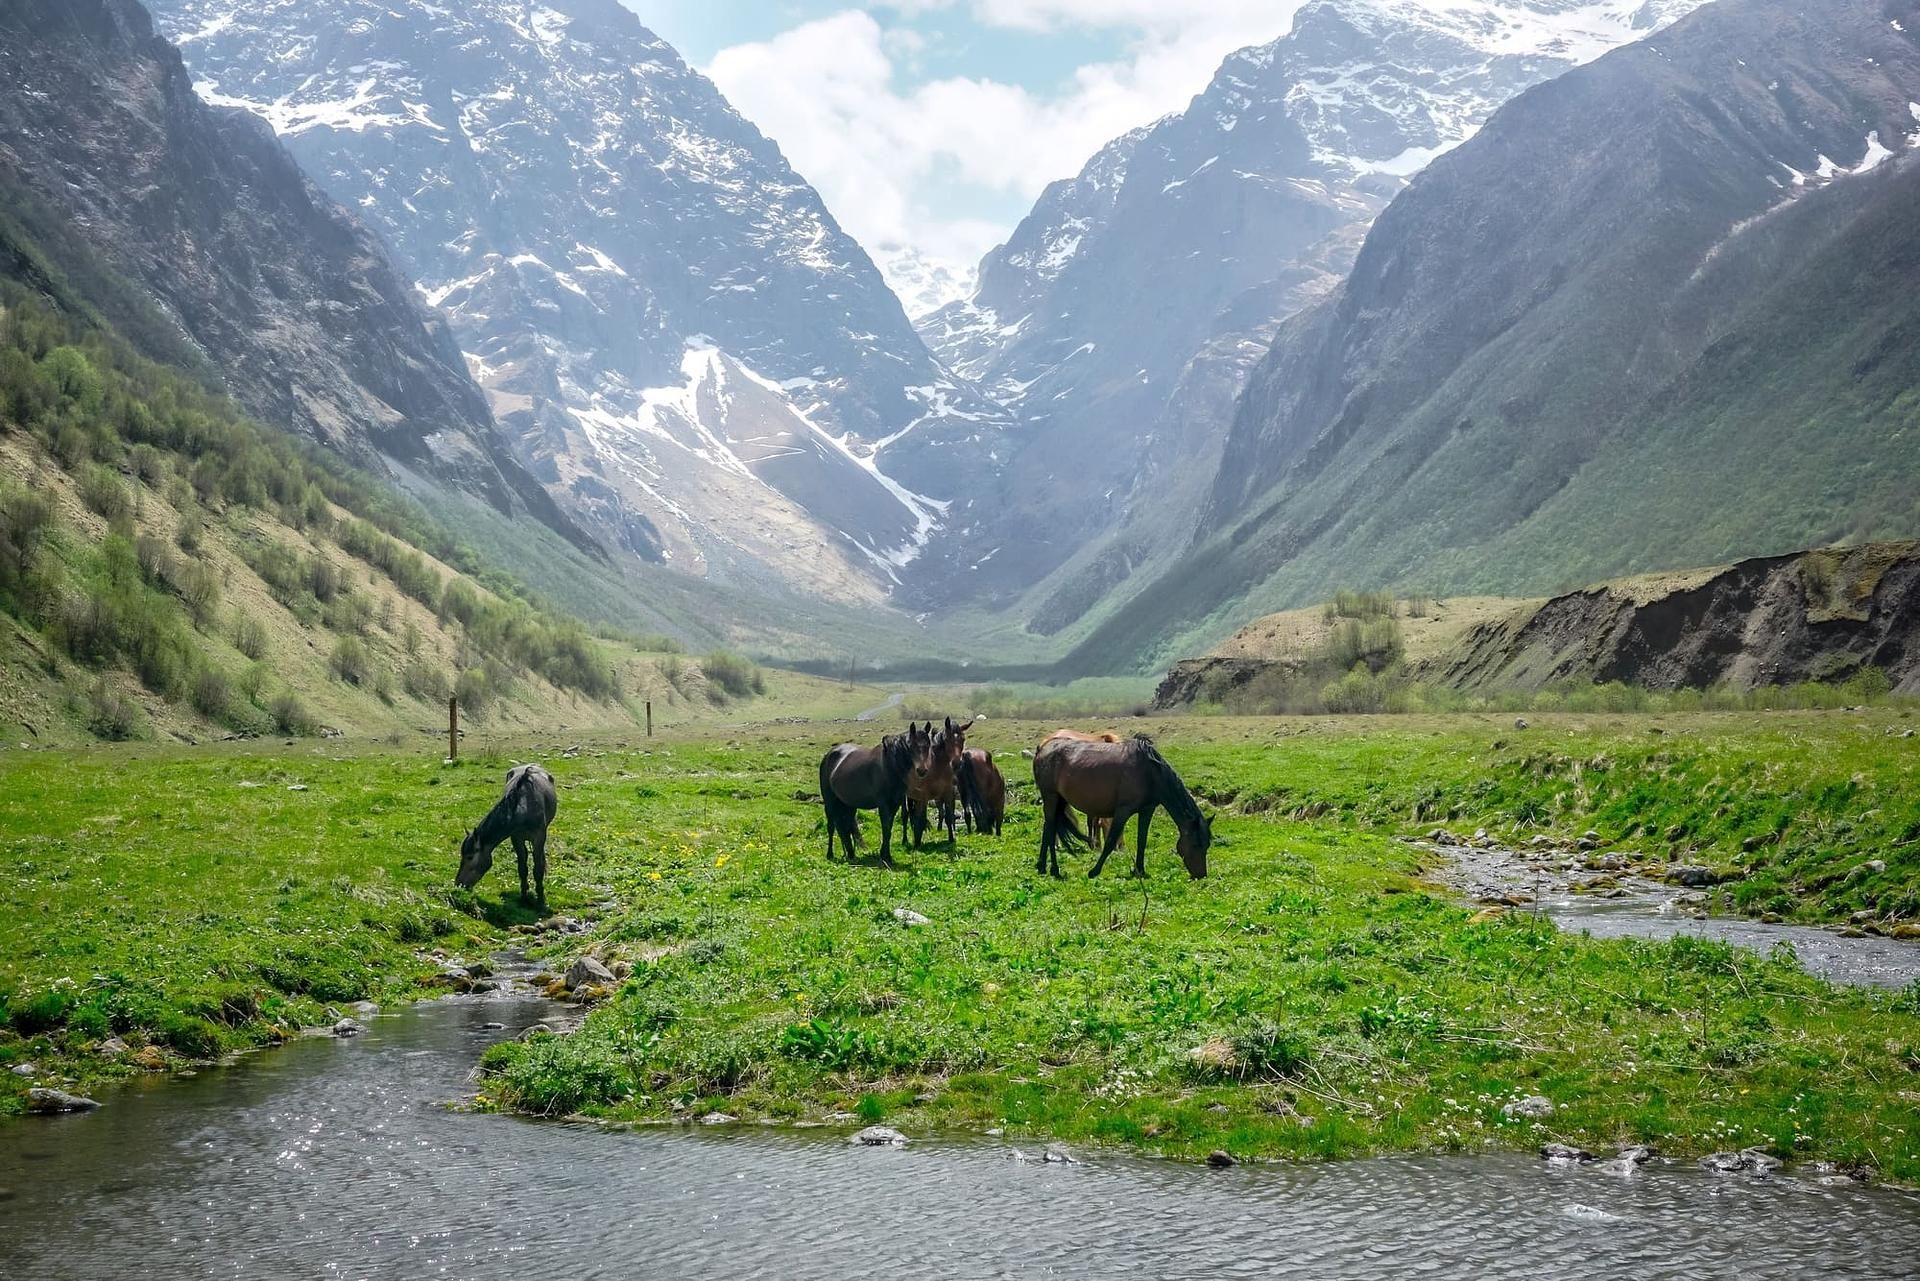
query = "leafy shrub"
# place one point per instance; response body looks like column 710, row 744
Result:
column 733, row 675
column 427, row 681
column 473, row 690
column 104, row 495
column 155, row 557
column 191, row 532
column 250, row 636
column 149, row 464
column 290, row 716
column 1360, row 605
column 348, row 613
column 351, row 661
column 212, row 693
column 1374, row 641
column 198, row 588
column 323, row 579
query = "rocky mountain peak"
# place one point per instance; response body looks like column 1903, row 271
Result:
column 621, row 257
column 1120, row 319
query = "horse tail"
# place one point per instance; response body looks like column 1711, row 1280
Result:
column 969, row 789
column 840, row 815
column 1070, row 827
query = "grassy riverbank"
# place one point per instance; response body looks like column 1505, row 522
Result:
column 1338, row 1007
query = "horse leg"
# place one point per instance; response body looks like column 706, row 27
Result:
column 886, row 834
column 520, row 850
column 1116, row 828
column 1140, row 841
column 1060, row 820
column 540, row 870
column 1050, row 809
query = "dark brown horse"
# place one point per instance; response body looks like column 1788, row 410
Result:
column 940, row 787
column 855, row 778
column 522, row 815
column 1119, row 781
column 1096, row 826
column 983, row 792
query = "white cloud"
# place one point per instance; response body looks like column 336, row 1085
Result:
column 830, row 93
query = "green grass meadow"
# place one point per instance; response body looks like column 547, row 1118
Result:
column 1315, row 996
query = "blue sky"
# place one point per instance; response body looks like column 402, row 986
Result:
column 932, row 125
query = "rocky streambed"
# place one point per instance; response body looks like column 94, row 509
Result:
column 1620, row 894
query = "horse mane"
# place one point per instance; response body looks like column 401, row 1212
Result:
column 1173, row 794
column 502, row 812
column 897, row 752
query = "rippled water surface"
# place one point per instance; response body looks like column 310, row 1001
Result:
column 1651, row 910
column 336, row 1158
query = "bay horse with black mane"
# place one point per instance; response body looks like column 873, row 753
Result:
column 855, row 778
column 1096, row 826
column 522, row 815
column 983, row 792
column 1117, row 781
column 940, row 789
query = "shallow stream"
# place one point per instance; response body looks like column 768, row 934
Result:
column 1637, row 907
column 339, row 1158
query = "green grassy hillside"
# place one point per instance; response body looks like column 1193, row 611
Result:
column 168, row 568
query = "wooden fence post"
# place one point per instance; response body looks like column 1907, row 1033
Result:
column 453, row 729
column 649, row 718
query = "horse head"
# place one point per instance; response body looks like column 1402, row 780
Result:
column 1194, row 843
column 475, row 859
column 953, row 741
column 920, row 748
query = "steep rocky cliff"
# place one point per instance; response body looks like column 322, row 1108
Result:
column 1120, row 321
column 1661, row 311
column 293, row 304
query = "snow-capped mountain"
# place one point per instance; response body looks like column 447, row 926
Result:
column 924, row 284
column 1122, row 317
column 679, row 338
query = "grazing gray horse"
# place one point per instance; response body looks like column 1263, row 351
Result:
column 522, row 814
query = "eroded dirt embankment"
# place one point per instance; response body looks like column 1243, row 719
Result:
column 1775, row 620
